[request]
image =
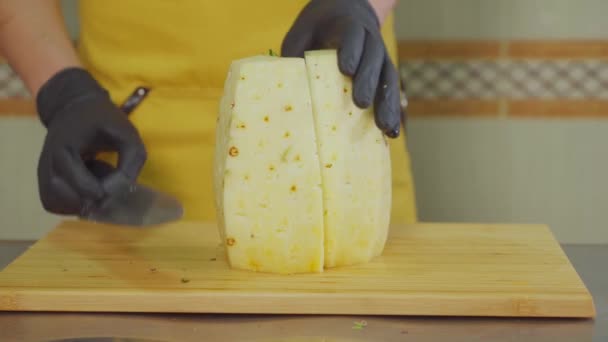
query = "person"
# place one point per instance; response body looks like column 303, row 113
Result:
column 180, row 52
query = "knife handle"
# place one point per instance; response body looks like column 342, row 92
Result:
column 134, row 100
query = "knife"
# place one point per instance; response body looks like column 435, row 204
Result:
column 129, row 204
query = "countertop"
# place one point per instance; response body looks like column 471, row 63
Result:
column 589, row 260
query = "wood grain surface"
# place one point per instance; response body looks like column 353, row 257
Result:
column 426, row 269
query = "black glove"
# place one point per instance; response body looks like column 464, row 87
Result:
column 352, row 27
column 81, row 121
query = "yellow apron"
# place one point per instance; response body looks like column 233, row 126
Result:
column 182, row 51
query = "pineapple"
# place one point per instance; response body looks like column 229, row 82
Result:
column 267, row 176
column 302, row 175
column 356, row 166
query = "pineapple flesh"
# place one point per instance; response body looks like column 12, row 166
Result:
column 302, row 176
column 356, row 168
column 267, row 174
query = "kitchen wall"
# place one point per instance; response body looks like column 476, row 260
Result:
column 70, row 14
column 502, row 19
column 499, row 129
column 508, row 116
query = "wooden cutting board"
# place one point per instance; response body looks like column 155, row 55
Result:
column 427, row 269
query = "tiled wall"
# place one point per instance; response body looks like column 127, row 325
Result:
column 469, row 78
column 506, row 78
column 508, row 101
column 10, row 85
column 502, row 19
column 508, row 109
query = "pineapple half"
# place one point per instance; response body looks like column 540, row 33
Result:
column 302, row 176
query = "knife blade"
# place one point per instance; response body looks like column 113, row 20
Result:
column 128, row 203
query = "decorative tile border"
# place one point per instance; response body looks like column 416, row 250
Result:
column 468, row 78
column 14, row 97
column 556, row 49
column 11, row 85
column 17, row 107
column 449, row 49
column 505, row 78
column 493, row 49
column 588, row 108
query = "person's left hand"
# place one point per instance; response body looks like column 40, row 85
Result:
column 352, row 27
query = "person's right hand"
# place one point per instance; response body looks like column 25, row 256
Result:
column 81, row 121
column 353, row 28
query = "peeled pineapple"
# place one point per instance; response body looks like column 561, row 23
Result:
column 356, row 169
column 267, row 176
column 302, row 175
